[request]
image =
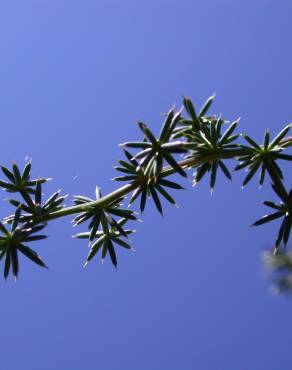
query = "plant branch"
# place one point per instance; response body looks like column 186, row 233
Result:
column 204, row 146
column 124, row 190
column 167, row 170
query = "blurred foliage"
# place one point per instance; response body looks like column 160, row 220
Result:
column 279, row 266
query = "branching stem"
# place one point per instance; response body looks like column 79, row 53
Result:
column 124, row 190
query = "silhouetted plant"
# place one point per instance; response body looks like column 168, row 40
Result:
column 205, row 141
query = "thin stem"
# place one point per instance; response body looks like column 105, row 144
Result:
column 166, row 171
column 124, row 190
column 196, row 161
column 104, row 201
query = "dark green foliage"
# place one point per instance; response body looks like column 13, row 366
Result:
column 206, row 146
column 282, row 210
column 102, row 217
column 206, row 140
column 155, row 151
column 194, row 123
column 105, row 239
column 199, row 138
column 28, row 218
column 34, row 207
column 12, row 242
column 147, row 186
column 263, row 157
column 20, row 182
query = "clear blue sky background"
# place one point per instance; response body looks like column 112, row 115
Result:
column 75, row 77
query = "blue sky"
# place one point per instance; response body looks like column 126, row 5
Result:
column 75, row 77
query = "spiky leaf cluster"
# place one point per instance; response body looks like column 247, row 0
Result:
column 194, row 122
column 35, row 208
column 282, row 210
column 147, row 187
column 105, row 239
column 206, row 141
column 263, row 157
column 12, row 242
column 20, row 182
column 28, row 217
column 199, row 138
column 103, row 217
column 155, row 151
column 211, row 142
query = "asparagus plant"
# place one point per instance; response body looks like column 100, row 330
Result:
column 206, row 142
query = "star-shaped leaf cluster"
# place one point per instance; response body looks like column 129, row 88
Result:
column 105, row 239
column 13, row 241
column 263, row 157
column 103, row 217
column 155, row 151
column 284, row 210
column 194, row 122
column 19, row 182
column 205, row 140
column 146, row 187
column 210, row 141
column 34, row 207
